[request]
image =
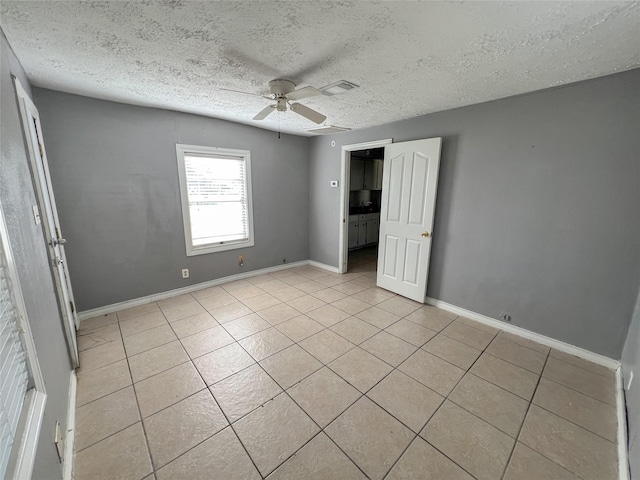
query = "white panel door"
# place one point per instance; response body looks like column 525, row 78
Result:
column 410, row 181
column 49, row 214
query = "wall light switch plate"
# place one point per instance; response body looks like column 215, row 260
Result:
column 334, row 183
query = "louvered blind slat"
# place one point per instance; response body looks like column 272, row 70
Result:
column 217, row 195
column 13, row 370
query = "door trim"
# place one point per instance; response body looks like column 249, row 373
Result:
column 343, row 249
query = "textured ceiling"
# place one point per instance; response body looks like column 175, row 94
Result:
column 409, row 58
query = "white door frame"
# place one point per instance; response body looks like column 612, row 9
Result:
column 46, row 201
column 343, row 251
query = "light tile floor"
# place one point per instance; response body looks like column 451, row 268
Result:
column 304, row 374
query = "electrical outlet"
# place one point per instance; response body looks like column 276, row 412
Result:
column 505, row 316
column 630, row 380
column 240, row 260
column 185, row 273
column 58, row 441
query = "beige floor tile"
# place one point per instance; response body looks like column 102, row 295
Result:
column 98, row 420
column 399, row 306
column 582, row 363
column 287, row 293
column 265, row 343
column 180, row 427
column 389, row 348
column 99, row 336
column 328, row 315
column 120, row 456
column 206, row 341
column 310, row 286
column 184, row 310
column 207, row 292
column 472, row 443
column 274, row 432
column 222, row 363
column 231, row 286
column 157, row 360
column 378, row 317
column 101, row 355
column 452, row 351
column 468, row 335
column 360, row 369
column 220, row 457
column 137, row 311
column 432, row 371
column 326, row 345
column 355, row 330
column 591, row 384
column 587, row 412
column 278, row 313
column 506, row 375
column 192, row 325
column 272, row 285
column 584, row 453
column 500, row 408
column 244, row 391
column 149, row 339
column 411, row 332
column 261, row 302
column 306, row 303
column 351, row 305
column 517, row 354
column 478, row 325
column 324, row 396
column 328, row 295
column 373, row 296
column 430, row 317
column 142, row 323
column 217, row 300
column 299, row 328
column 175, row 301
column 330, row 280
column 364, row 281
column 102, row 381
column 423, row 462
column 245, row 326
column 247, row 292
column 349, row 288
column 525, row 342
column 258, row 279
column 95, row 323
column 163, row 390
column 524, row 462
column 293, row 279
column 290, row 366
column 230, row 312
column 371, row 437
column 319, row 459
column 406, row 399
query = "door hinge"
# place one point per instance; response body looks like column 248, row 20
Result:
column 41, row 150
column 73, row 307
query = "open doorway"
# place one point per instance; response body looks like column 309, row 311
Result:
column 361, row 198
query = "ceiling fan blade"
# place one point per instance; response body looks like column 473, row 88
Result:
column 244, row 93
column 304, row 92
column 307, row 112
column 264, row 113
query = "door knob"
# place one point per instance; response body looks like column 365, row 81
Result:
column 425, row 234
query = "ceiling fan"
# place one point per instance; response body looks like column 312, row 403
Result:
column 284, row 93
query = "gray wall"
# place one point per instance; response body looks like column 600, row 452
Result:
column 27, row 241
column 631, row 363
column 537, row 209
column 115, row 176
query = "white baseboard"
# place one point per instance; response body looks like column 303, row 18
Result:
column 521, row 332
column 69, row 441
column 198, row 286
column 623, row 454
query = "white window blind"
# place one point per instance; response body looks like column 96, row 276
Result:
column 13, row 369
column 216, row 198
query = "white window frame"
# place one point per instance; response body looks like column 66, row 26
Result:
column 183, row 150
column 25, row 444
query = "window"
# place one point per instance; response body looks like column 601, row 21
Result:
column 215, row 187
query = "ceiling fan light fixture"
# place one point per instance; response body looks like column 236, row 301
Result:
column 326, row 130
column 338, row 87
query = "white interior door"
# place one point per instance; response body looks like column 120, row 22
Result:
column 410, row 181
column 49, row 214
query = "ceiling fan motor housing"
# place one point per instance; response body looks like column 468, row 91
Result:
column 279, row 88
